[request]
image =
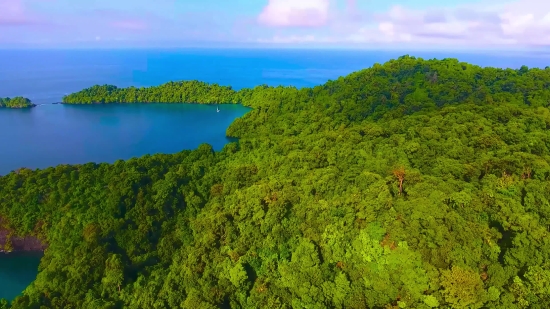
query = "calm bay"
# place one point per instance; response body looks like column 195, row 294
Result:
column 52, row 134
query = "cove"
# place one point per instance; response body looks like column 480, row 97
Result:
column 17, row 271
column 52, row 134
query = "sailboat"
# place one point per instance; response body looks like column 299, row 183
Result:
column 217, row 109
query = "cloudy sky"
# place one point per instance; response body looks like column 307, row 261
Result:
column 517, row 24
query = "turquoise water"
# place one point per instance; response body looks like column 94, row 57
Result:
column 53, row 134
column 17, row 271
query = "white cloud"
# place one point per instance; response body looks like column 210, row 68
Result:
column 290, row 39
column 295, row 13
column 521, row 23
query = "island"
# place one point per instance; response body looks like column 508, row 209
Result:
column 410, row 184
column 16, row 102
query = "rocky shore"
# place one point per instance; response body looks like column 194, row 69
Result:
column 19, row 107
column 21, row 244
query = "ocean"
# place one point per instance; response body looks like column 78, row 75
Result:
column 52, row 134
column 45, row 76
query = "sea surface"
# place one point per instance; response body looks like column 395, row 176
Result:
column 44, row 76
column 53, row 134
column 17, row 271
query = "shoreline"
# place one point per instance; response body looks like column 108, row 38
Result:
column 20, row 243
column 100, row 103
column 19, row 107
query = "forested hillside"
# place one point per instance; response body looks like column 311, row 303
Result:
column 412, row 184
column 17, row 102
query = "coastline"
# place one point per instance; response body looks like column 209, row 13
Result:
column 192, row 103
column 19, row 107
column 20, row 244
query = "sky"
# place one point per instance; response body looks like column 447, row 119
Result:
column 449, row 24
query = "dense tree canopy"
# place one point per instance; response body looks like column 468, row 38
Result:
column 17, row 102
column 187, row 91
column 412, row 184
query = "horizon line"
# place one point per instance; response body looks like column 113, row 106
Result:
column 538, row 51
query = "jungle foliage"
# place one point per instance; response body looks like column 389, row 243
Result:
column 411, row 184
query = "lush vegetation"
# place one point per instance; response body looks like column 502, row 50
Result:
column 172, row 92
column 17, row 102
column 413, row 184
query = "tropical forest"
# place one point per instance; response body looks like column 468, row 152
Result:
column 410, row 184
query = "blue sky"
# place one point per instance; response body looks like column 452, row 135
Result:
column 451, row 24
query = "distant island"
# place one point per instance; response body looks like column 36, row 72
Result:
column 411, row 184
column 16, row 102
